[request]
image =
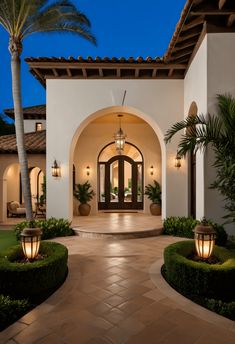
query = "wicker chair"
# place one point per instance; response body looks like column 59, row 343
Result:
column 15, row 209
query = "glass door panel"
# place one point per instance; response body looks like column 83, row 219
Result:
column 102, row 183
column 127, row 182
column 114, row 181
column 139, row 183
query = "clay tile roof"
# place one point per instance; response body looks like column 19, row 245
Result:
column 31, row 112
column 35, row 143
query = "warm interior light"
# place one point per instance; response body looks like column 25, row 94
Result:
column 88, row 170
column 178, row 161
column 151, row 170
column 204, row 236
column 55, row 169
column 30, row 241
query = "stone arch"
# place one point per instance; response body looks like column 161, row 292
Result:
column 125, row 110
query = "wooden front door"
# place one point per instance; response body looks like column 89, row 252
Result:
column 120, row 183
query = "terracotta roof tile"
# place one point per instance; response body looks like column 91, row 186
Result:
column 30, row 112
column 35, row 143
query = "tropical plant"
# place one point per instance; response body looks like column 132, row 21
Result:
column 21, row 18
column 83, row 193
column 218, row 132
column 153, row 192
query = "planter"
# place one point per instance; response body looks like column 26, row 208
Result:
column 84, row 209
column 155, row 209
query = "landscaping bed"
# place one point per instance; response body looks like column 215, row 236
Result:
column 24, row 285
column 210, row 285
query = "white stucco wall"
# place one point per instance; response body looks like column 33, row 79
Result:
column 212, row 72
column 74, row 103
column 30, row 125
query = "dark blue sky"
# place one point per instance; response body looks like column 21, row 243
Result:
column 122, row 28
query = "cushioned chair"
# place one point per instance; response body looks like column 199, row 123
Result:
column 14, row 209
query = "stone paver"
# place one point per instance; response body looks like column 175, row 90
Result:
column 110, row 298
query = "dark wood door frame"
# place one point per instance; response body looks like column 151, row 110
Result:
column 134, row 204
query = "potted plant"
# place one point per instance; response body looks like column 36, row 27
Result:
column 153, row 192
column 83, row 193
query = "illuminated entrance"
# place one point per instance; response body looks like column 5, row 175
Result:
column 120, row 178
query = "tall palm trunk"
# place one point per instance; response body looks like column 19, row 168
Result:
column 15, row 49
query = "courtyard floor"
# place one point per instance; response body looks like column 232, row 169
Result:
column 112, row 295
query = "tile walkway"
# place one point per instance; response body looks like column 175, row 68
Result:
column 109, row 298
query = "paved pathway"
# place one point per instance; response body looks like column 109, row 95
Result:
column 109, row 298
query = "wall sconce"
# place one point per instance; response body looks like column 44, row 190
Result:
column 88, row 170
column 204, row 236
column 151, row 170
column 55, row 170
column 30, row 241
column 178, row 161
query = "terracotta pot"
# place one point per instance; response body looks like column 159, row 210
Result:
column 155, row 209
column 84, row 209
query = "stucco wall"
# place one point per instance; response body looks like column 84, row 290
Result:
column 75, row 103
column 212, row 72
column 30, row 125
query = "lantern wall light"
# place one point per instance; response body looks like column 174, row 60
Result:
column 204, row 236
column 178, row 161
column 55, row 170
column 88, row 170
column 120, row 138
column 30, row 241
column 151, row 170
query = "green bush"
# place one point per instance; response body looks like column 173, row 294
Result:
column 35, row 280
column 199, row 279
column 11, row 310
column 183, row 227
column 51, row 228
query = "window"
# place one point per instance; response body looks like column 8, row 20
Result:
column 38, row 126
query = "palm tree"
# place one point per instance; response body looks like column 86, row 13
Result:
column 218, row 132
column 21, row 18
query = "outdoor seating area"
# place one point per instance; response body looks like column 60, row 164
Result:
column 14, row 208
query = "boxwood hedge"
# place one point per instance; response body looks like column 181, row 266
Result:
column 37, row 280
column 183, row 227
column 199, row 279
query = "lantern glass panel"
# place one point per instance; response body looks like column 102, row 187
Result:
column 204, row 244
column 30, row 245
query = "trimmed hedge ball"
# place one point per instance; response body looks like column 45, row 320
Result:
column 215, row 281
column 35, row 280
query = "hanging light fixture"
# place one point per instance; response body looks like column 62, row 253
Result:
column 120, row 138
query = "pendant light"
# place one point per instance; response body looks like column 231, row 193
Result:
column 120, row 136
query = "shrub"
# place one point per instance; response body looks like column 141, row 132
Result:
column 35, row 280
column 183, row 227
column 11, row 310
column 199, row 279
column 51, row 228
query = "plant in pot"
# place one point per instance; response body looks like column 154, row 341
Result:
column 84, row 194
column 153, row 192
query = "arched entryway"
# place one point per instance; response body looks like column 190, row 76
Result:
column 94, row 149
column 120, row 178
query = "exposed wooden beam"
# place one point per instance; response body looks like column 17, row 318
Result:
column 231, row 20
column 184, row 46
column 55, row 72
column 182, row 53
column 69, row 72
column 193, row 23
column 211, row 13
column 118, row 73
column 101, row 72
column 221, row 4
column 188, row 36
column 39, row 75
column 84, row 72
column 154, row 73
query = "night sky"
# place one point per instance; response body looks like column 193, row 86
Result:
column 122, row 28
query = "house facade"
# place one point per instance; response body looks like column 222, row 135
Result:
column 85, row 101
